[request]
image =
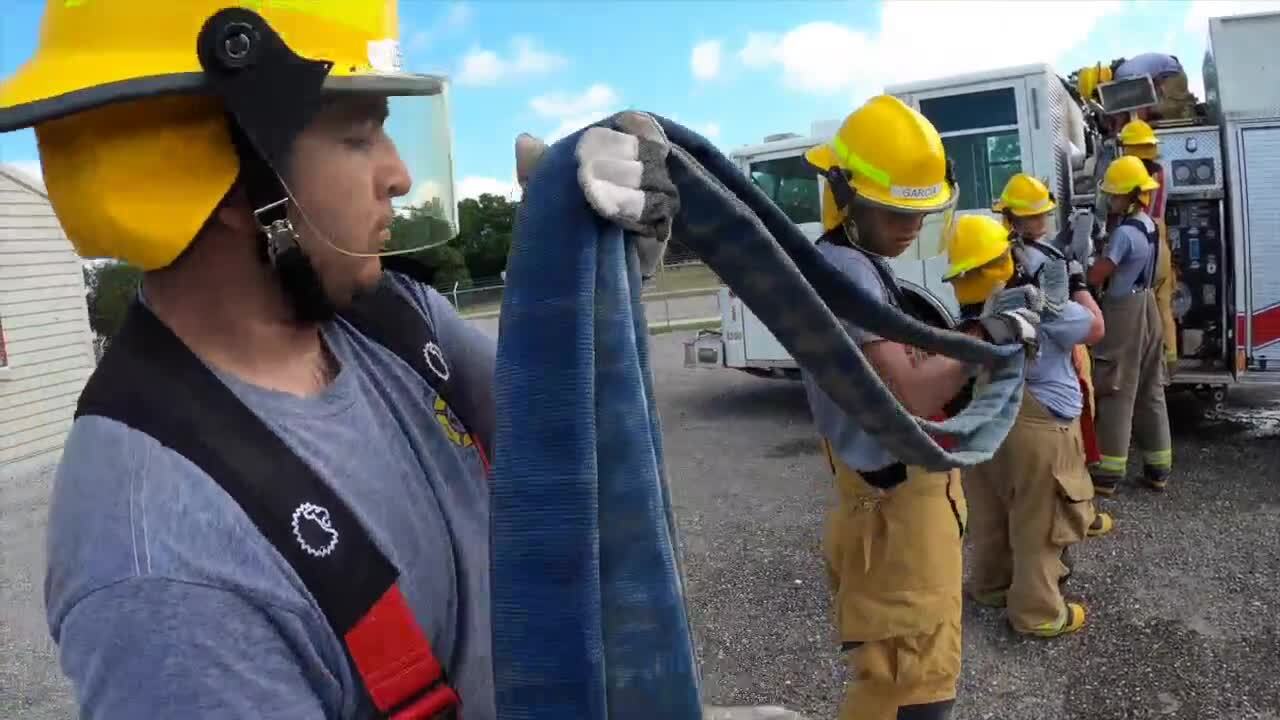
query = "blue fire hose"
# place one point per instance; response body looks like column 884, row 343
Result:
column 589, row 615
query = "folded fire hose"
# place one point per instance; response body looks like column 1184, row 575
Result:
column 589, row 616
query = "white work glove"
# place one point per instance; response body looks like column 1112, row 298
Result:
column 624, row 176
column 1013, row 316
column 1055, row 284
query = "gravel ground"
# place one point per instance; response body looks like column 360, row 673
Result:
column 1183, row 609
column 1182, row 601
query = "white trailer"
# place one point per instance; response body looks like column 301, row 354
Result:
column 1223, row 199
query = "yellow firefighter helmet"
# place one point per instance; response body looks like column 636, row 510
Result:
column 888, row 155
column 980, row 257
column 1138, row 139
column 132, row 127
column 1025, row 196
column 1126, row 174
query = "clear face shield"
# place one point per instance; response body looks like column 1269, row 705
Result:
column 361, row 163
column 939, row 226
column 407, row 163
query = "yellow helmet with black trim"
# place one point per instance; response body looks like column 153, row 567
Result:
column 130, row 101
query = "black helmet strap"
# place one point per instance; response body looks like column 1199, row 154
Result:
column 271, row 94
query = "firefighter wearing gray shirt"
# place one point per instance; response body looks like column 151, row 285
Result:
column 1129, row 367
column 166, row 601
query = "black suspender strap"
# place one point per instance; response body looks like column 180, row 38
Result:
column 1147, row 278
column 390, row 319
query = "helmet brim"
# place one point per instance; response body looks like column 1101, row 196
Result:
column 24, row 110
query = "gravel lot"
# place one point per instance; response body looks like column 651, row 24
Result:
column 1182, row 596
column 1184, row 612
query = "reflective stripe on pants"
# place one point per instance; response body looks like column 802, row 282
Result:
column 1129, row 376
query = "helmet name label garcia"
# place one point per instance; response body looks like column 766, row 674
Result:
column 907, row 192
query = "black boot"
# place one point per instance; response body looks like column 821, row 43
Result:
column 932, row 711
column 1155, row 478
column 1105, row 485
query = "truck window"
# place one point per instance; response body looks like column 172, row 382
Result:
column 792, row 185
column 980, row 133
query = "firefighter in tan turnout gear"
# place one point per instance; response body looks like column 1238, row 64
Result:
column 1129, row 369
column 1034, row 498
column 1138, row 139
column 893, row 540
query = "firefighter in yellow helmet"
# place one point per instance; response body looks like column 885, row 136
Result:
column 246, row 161
column 1137, row 139
column 1033, row 499
column 1129, row 368
column 1025, row 205
column 893, row 541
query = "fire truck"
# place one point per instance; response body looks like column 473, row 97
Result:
column 1221, row 161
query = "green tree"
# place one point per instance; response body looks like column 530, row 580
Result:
column 111, row 287
column 485, row 227
column 425, row 227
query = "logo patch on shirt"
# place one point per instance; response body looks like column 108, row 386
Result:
column 452, row 426
column 313, row 530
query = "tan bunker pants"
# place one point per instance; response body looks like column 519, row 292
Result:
column 893, row 560
column 1128, row 377
column 1029, row 501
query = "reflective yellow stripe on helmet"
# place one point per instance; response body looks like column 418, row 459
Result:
column 855, row 164
column 852, row 162
column 1041, row 205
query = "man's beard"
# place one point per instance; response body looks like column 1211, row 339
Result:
column 302, row 286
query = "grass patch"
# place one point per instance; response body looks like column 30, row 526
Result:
column 673, row 279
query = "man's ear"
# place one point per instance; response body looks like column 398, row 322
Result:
column 234, row 213
column 529, row 150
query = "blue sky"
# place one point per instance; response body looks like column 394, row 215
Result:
column 735, row 71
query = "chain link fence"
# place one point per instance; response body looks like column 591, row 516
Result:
column 680, row 272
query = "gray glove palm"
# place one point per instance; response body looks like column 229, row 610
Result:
column 1012, row 315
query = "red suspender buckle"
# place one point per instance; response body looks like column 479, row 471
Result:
column 397, row 665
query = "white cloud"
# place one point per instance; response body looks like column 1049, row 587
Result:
column 457, row 17
column 710, row 131
column 919, row 40
column 473, row 186
column 705, row 60
column 29, row 168
column 486, row 67
column 575, row 111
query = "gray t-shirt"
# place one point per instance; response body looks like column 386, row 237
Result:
column 166, row 601
column 1130, row 250
column 1051, row 376
column 848, row 440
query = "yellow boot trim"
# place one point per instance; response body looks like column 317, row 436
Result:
column 1103, row 523
column 1072, row 620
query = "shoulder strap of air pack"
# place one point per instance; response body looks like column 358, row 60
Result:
column 393, row 321
column 1146, row 278
column 887, row 278
column 149, row 380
